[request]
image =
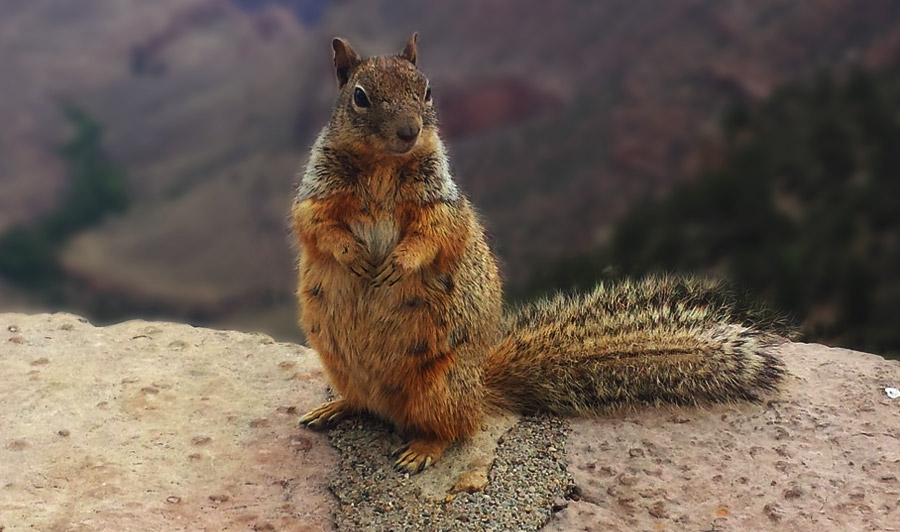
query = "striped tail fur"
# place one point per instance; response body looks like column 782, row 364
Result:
column 668, row 339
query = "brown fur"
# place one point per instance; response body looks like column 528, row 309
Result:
column 400, row 295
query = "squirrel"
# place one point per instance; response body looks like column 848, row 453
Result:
column 401, row 297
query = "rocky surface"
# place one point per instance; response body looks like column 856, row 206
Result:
column 149, row 426
column 153, row 426
column 822, row 455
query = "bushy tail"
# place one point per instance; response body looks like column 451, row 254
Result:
column 661, row 339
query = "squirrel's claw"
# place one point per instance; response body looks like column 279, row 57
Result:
column 326, row 414
column 418, row 455
column 357, row 271
column 386, row 265
column 388, row 273
column 362, row 268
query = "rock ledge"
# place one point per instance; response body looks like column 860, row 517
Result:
column 154, row 426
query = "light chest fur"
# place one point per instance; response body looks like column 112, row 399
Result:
column 377, row 225
column 379, row 233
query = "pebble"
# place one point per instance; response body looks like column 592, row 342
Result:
column 471, row 481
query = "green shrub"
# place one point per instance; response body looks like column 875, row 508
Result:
column 29, row 255
column 803, row 213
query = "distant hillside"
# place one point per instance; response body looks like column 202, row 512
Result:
column 309, row 11
column 29, row 252
column 800, row 211
column 561, row 116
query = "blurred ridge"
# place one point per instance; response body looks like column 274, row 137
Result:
column 562, row 117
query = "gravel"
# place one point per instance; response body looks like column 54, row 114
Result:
column 528, row 482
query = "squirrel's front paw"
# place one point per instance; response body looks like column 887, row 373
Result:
column 355, row 257
column 326, row 414
column 389, row 272
column 417, row 455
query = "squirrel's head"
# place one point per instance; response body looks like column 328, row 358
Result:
column 384, row 104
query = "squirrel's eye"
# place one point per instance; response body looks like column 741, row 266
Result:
column 360, row 98
column 428, row 94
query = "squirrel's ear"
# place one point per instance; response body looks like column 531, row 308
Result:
column 345, row 60
column 409, row 52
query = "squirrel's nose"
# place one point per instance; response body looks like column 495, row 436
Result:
column 408, row 133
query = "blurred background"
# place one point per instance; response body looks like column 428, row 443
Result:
column 148, row 150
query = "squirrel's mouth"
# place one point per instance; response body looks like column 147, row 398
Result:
column 401, row 147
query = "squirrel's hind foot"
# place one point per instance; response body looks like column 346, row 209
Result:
column 326, row 414
column 416, row 455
